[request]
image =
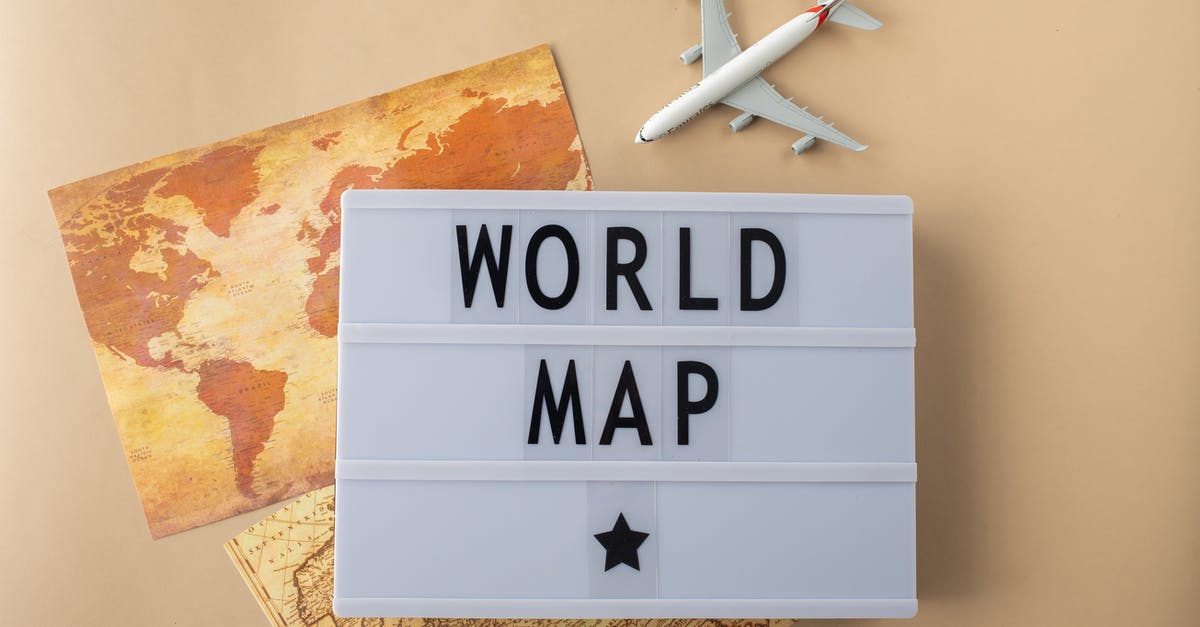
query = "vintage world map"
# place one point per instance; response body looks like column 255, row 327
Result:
column 208, row 278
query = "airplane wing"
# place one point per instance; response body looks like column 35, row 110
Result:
column 720, row 44
column 758, row 98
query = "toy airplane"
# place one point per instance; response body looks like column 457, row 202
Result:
column 731, row 76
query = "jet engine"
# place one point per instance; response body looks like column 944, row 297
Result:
column 690, row 55
column 741, row 121
column 804, row 143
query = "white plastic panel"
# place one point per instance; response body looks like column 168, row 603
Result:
column 455, row 401
column 778, row 483
column 815, row 540
column 379, row 281
column 501, row 539
column 855, row 271
column 850, row 269
column 462, row 539
column 822, row 404
column 414, row 401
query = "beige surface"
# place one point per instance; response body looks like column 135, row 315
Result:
column 1051, row 150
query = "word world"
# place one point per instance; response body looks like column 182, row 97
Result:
column 619, row 270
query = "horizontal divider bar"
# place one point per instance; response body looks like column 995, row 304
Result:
column 492, row 200
column 563, row 334
column 564, row 470
column 625, row 608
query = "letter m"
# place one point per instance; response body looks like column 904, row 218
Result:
column 543, row 395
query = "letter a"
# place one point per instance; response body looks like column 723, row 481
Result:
column 626, row 386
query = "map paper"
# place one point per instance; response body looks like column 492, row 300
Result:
column 208, row 278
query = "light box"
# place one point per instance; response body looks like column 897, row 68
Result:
column 590, row 404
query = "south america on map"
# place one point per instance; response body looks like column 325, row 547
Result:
column 208, row 279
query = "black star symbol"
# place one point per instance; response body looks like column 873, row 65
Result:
column 621, row 544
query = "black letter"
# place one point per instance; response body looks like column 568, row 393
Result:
column 749, row 302
column 686, row 300
column 627, row 270
column 688, row 407
column 626, row 385
column 531, row 257
column 498, row 272
column 544, row 394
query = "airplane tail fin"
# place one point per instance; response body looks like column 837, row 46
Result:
column 850, row 15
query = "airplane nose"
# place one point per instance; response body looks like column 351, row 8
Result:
column 640, row 139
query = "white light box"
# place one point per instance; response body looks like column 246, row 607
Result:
column 591, row 404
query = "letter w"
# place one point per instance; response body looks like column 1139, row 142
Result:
column 497, row 270
column 544, row 395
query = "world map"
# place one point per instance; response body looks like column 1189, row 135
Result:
column 208, row 279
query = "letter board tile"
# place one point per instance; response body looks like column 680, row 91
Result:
column 485, row 266
column 556, row 261
column 696, row 277
column 627, row 273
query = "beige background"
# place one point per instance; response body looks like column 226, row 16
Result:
column 1050, row 148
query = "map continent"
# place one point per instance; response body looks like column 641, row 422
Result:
column 208, row 278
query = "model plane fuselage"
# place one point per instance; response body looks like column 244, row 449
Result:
column 733, row 74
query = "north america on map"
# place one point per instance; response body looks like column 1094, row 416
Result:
column 208, row 279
